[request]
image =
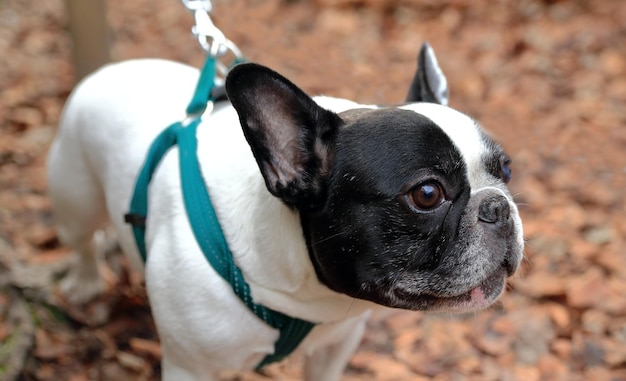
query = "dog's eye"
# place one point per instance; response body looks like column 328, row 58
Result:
column 505, row 169
column 426, row 196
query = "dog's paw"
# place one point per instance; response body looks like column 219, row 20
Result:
column 81, row 284
column 84, row 279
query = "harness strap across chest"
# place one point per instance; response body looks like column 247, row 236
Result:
column 202, row 217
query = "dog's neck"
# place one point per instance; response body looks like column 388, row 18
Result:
column 284, row 277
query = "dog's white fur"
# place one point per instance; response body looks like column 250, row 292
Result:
column 106, row 130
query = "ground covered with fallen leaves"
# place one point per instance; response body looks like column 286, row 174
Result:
column 547, row 78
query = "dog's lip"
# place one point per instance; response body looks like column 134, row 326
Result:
column 476, row 298
column 484, row 294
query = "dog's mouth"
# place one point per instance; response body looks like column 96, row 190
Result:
column 477, row 298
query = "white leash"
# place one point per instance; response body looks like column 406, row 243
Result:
column 211, row 38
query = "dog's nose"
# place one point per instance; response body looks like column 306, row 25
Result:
column 494, row 209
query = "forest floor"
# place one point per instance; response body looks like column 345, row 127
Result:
column 546, row 78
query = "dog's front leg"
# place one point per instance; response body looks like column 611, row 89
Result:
column 327, row 361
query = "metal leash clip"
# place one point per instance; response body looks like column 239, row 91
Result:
column 211, row 38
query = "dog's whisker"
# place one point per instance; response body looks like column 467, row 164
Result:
column 327, row 238
column 354, row 300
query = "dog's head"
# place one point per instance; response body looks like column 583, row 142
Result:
column 404, row 206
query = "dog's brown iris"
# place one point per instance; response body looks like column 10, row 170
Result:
column 426, row 196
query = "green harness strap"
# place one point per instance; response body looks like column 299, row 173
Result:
column 202, row 216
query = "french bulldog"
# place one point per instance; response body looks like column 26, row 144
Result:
column 331, row 209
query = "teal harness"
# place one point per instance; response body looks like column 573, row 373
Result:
column 202, row 216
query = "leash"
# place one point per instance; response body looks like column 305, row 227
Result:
column 198, row 206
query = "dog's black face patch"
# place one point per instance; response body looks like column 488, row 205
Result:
column 371, row 241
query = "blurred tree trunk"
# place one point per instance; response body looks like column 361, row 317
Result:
column 90, row 35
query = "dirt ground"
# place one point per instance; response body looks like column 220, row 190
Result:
column 547, row 78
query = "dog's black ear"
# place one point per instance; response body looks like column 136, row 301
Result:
column 429, row 83
column 291, row 136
